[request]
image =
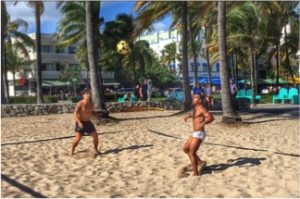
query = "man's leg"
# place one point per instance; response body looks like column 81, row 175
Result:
column 186, row 149
column 96, row 141
column 186, row 146
column 75, row 142
column 194, row 146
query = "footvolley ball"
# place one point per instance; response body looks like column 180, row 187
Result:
column 123, row 47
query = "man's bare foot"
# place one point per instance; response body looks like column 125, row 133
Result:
column 97, row 153
column 202, row 165
column 72, row 153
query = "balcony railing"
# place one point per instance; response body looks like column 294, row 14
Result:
column 83, row 75
column 56, row 57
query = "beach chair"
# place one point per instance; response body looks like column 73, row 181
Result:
column 241, row 93
column 249, row 95
column 132, row 98
column 282, row 95
column 294, row 95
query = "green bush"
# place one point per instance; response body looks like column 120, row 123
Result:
column 31, row 99
column 22, row 100
column 50, row 99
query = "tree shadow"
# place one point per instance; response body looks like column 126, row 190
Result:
column 166, row 135
column 287, row 112
column 21, row 187
column 236, row 147
column 132, row 147
column 51, row 139
column 262, row 121
column 239, row 162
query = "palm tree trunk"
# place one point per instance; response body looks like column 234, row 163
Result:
column 236, row 65
column 277, row 65
column 287, row 60
column 14, row 80
column 193, row 48
column 229, row 114
column 38, row 54
column 207, row 59
column 252, row 60
column 185, row 76
column 4, row 86
column 92, row 54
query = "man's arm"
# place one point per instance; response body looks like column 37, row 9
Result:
column 187, row 116
column 76, row 112
column 208, row 117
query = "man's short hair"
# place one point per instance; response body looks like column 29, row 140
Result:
column 84, row 91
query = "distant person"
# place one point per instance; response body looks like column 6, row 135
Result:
column 149, row 89
column 200, row 116
column 197, row 90
column 137, row 90
column 143, row 90
column 233, row 88
column 83, row 125
column 209, row 97
column 214, row 88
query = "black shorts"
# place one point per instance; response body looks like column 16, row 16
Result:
column 88, row 128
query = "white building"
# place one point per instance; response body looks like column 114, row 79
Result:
column 159, row 40
column 54, row 59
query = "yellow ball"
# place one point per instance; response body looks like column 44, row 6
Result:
column 123, row 47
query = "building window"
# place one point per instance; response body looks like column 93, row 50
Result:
column 59, row 67
column 59, row 50
column 217, row 67
column 47, row 49
column 71, row 50
column 204, row 65
column 48, row 67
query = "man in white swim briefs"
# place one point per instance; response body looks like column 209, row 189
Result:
column 200, row 116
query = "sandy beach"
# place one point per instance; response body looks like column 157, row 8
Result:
column 142, row 157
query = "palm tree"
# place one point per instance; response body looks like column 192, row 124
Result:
column 148, row 13
column 72, row 29
column 4, row 85
column 13, row 38
column 169, row 54
column 38, row 11
column 248, row 28
column 92, row 13
column 229, row 115
column 139, row 59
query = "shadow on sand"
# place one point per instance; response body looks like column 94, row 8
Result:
column 21, row 187
column 51, row 139
column 239, row 162
column 132, row 147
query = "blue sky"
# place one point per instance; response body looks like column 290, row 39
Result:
column 51, row 16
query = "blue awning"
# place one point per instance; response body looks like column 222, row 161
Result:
column 214, row 80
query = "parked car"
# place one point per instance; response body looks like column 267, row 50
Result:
column 176, row 93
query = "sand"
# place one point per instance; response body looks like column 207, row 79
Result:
column 142, row 157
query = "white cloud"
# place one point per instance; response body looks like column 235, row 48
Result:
column 159, row 26
column 49, row 18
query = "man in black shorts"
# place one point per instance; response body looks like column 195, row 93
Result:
column 83, row 126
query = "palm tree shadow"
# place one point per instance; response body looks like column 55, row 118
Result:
column 132, row 147
column 239, row 162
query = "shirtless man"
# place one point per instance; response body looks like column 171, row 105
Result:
column 200, row 116
column 83, row 126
